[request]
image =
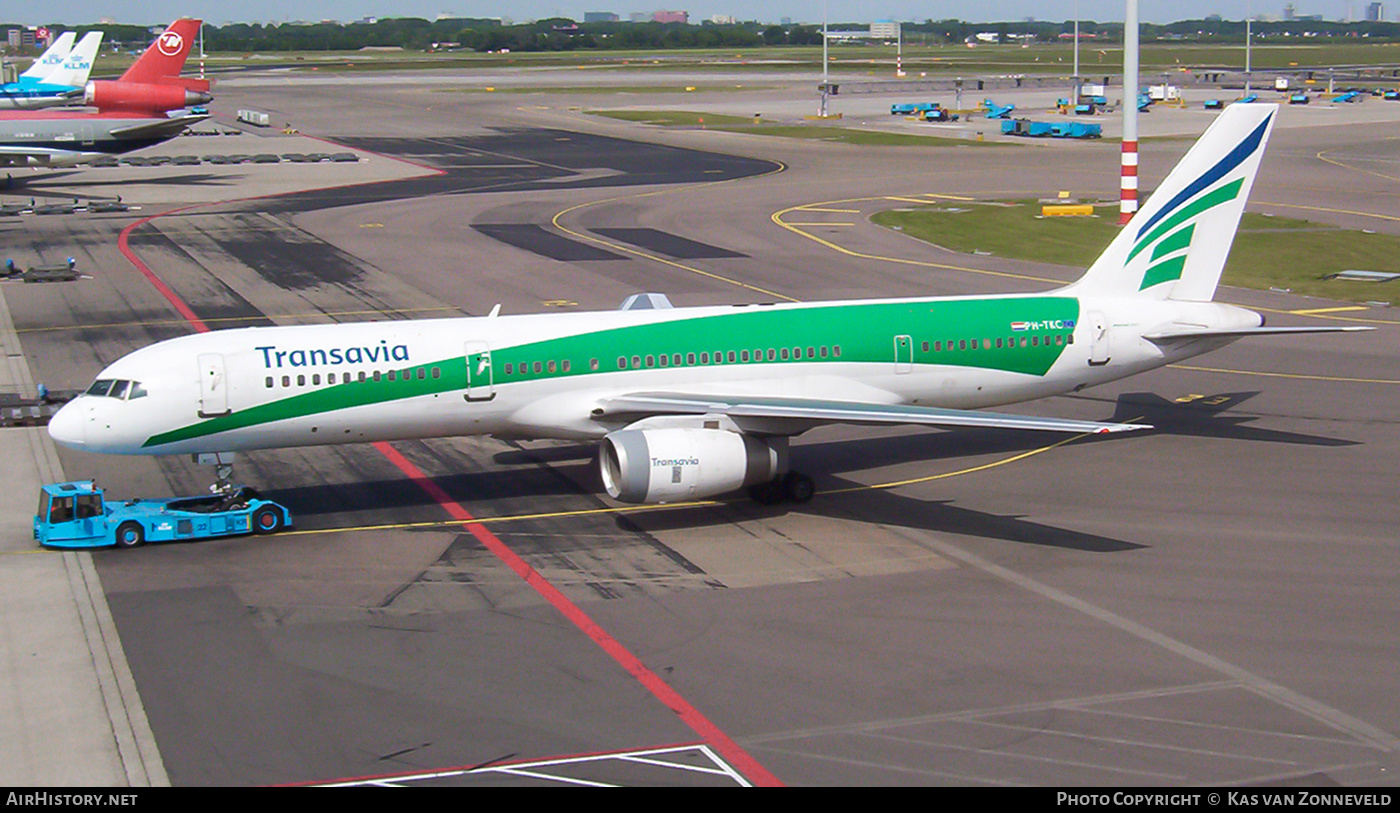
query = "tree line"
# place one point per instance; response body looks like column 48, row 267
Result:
column 563, row 34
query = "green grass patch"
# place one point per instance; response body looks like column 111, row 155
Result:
column 1269, row 252
column 820, row 131
column 606, row 89
column 674, row 118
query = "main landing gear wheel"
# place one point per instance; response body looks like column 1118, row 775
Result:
column 792, row 487
column 798, row 488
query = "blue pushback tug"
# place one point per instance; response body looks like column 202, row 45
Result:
column 76, row 515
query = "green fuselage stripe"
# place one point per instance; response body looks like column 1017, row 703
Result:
column 972, row 333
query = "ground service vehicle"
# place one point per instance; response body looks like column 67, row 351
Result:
column 77, row 515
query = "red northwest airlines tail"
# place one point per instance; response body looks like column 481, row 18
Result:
column 153, row 83
column 163, row 61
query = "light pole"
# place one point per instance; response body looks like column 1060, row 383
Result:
column 1128, row 187
column 1074, row 85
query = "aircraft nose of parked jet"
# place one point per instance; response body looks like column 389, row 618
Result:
column 66, row 427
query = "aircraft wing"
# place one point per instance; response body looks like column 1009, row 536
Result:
column 159, row 127
column 1168, row 336
column 798, row 413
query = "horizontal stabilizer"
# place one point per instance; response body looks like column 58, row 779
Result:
column 1167, row 337
column 822, row 411
column 160, row 127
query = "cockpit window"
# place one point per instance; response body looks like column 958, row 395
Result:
column 117, row 388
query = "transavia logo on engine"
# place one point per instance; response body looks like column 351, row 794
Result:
column 1048, row 324
column 657, row 462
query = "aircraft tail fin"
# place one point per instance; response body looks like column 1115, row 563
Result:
column 1175, row 247
column 165, row 58
column 52, row 57
column 78, row 64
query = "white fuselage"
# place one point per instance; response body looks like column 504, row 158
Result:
column 547, row 375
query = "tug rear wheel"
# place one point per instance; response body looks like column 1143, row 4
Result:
column 130, row 535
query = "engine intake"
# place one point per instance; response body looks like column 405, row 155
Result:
column 670, row 465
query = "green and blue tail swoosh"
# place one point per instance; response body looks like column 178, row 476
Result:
column 1177, row 244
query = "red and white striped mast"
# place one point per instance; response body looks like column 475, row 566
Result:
column 1128, row 188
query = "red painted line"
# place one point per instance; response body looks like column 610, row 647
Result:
column 124, row 245
column 737, row 757
column 708, row 731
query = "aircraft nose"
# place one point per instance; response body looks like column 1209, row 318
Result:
column 66, row 427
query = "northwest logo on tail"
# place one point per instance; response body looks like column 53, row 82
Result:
column 1168, row 232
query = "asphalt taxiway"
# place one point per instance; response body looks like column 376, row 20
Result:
column 1211, row 603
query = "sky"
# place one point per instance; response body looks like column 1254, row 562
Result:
column 221, row 12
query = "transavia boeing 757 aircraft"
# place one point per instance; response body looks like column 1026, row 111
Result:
column 694, row 402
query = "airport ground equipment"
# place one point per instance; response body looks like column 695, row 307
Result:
column 998, row 111
column 1041, row 129
column 76, row 514
column 65, row 272
column 1349, row 96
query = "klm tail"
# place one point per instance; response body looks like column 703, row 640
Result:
column 1175, row 247
column 78, row 64
column 52, row 58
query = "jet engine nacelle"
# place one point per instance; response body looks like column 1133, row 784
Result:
column 108, row 95
column 675, row 464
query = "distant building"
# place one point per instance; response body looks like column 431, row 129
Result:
column 1375, row 12
column 599, row 17
column 671, row 17
column 1288, row 11
column 21, row 38
column 722, row 19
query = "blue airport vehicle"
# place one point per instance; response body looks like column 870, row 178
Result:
column 997, row 111
column 1349, row 96
column 940, row 114
column 76, row 515
column 1085, row 110
column 1214, row 104
column 1391, row 95
column 1298, row 98
column 1253, row 97
column 1059, row 129
column 902, row 109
